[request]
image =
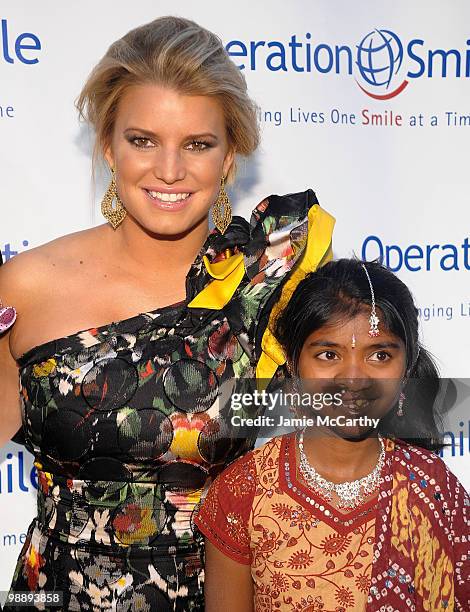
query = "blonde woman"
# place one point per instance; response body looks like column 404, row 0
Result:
column 127, row 331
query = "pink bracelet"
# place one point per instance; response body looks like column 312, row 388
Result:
column 7, row 317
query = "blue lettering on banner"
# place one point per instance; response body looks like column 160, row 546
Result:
column 303, row 56
column 12, row 539
column 8, row 252
column 300, row 116
column 381, row 61
column 417, row 258
column 456, row 440
column 456, row 119
column 13, row 475
column 7, row 112
column 21, row 48
column 438, row 312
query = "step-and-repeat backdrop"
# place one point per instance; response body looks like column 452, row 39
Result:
column 366, row 102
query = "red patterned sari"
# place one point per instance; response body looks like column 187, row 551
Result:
column 407, row 549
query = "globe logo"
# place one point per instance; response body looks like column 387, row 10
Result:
column 379, row 57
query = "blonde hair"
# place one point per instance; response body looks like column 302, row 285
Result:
column 176, row 53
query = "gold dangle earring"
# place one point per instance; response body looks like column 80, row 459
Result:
column 222, row 209
column 113, row 214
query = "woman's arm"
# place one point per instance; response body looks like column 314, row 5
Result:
column 10, row 412
column 228, row 584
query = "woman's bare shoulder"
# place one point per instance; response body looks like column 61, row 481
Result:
column 36, row 269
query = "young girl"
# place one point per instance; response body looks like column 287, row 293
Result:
column 345, row 515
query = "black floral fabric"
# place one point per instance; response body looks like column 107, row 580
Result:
column 130, row 422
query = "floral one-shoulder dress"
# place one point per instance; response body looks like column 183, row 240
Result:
column 129, row 422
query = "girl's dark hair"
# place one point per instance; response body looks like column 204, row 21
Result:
column 339, row 290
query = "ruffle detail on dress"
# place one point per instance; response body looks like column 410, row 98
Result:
column 287, row 237
column 318, row 251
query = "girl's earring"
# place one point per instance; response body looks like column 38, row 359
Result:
column 113, row 214
column 293, row 387
column 222, row 209
column 295, row 406
column 401, row 401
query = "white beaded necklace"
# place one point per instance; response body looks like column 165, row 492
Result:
column 349, row 493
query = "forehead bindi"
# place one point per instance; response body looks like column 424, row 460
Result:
column 165, row 111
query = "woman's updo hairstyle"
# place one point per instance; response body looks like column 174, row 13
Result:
column 176, row 53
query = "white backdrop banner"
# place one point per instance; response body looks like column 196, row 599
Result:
column 367, row 103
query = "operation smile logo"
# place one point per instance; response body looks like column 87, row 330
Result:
column 379, row 59
column 382, row 64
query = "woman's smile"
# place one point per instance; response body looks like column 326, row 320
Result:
column 172, row 202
